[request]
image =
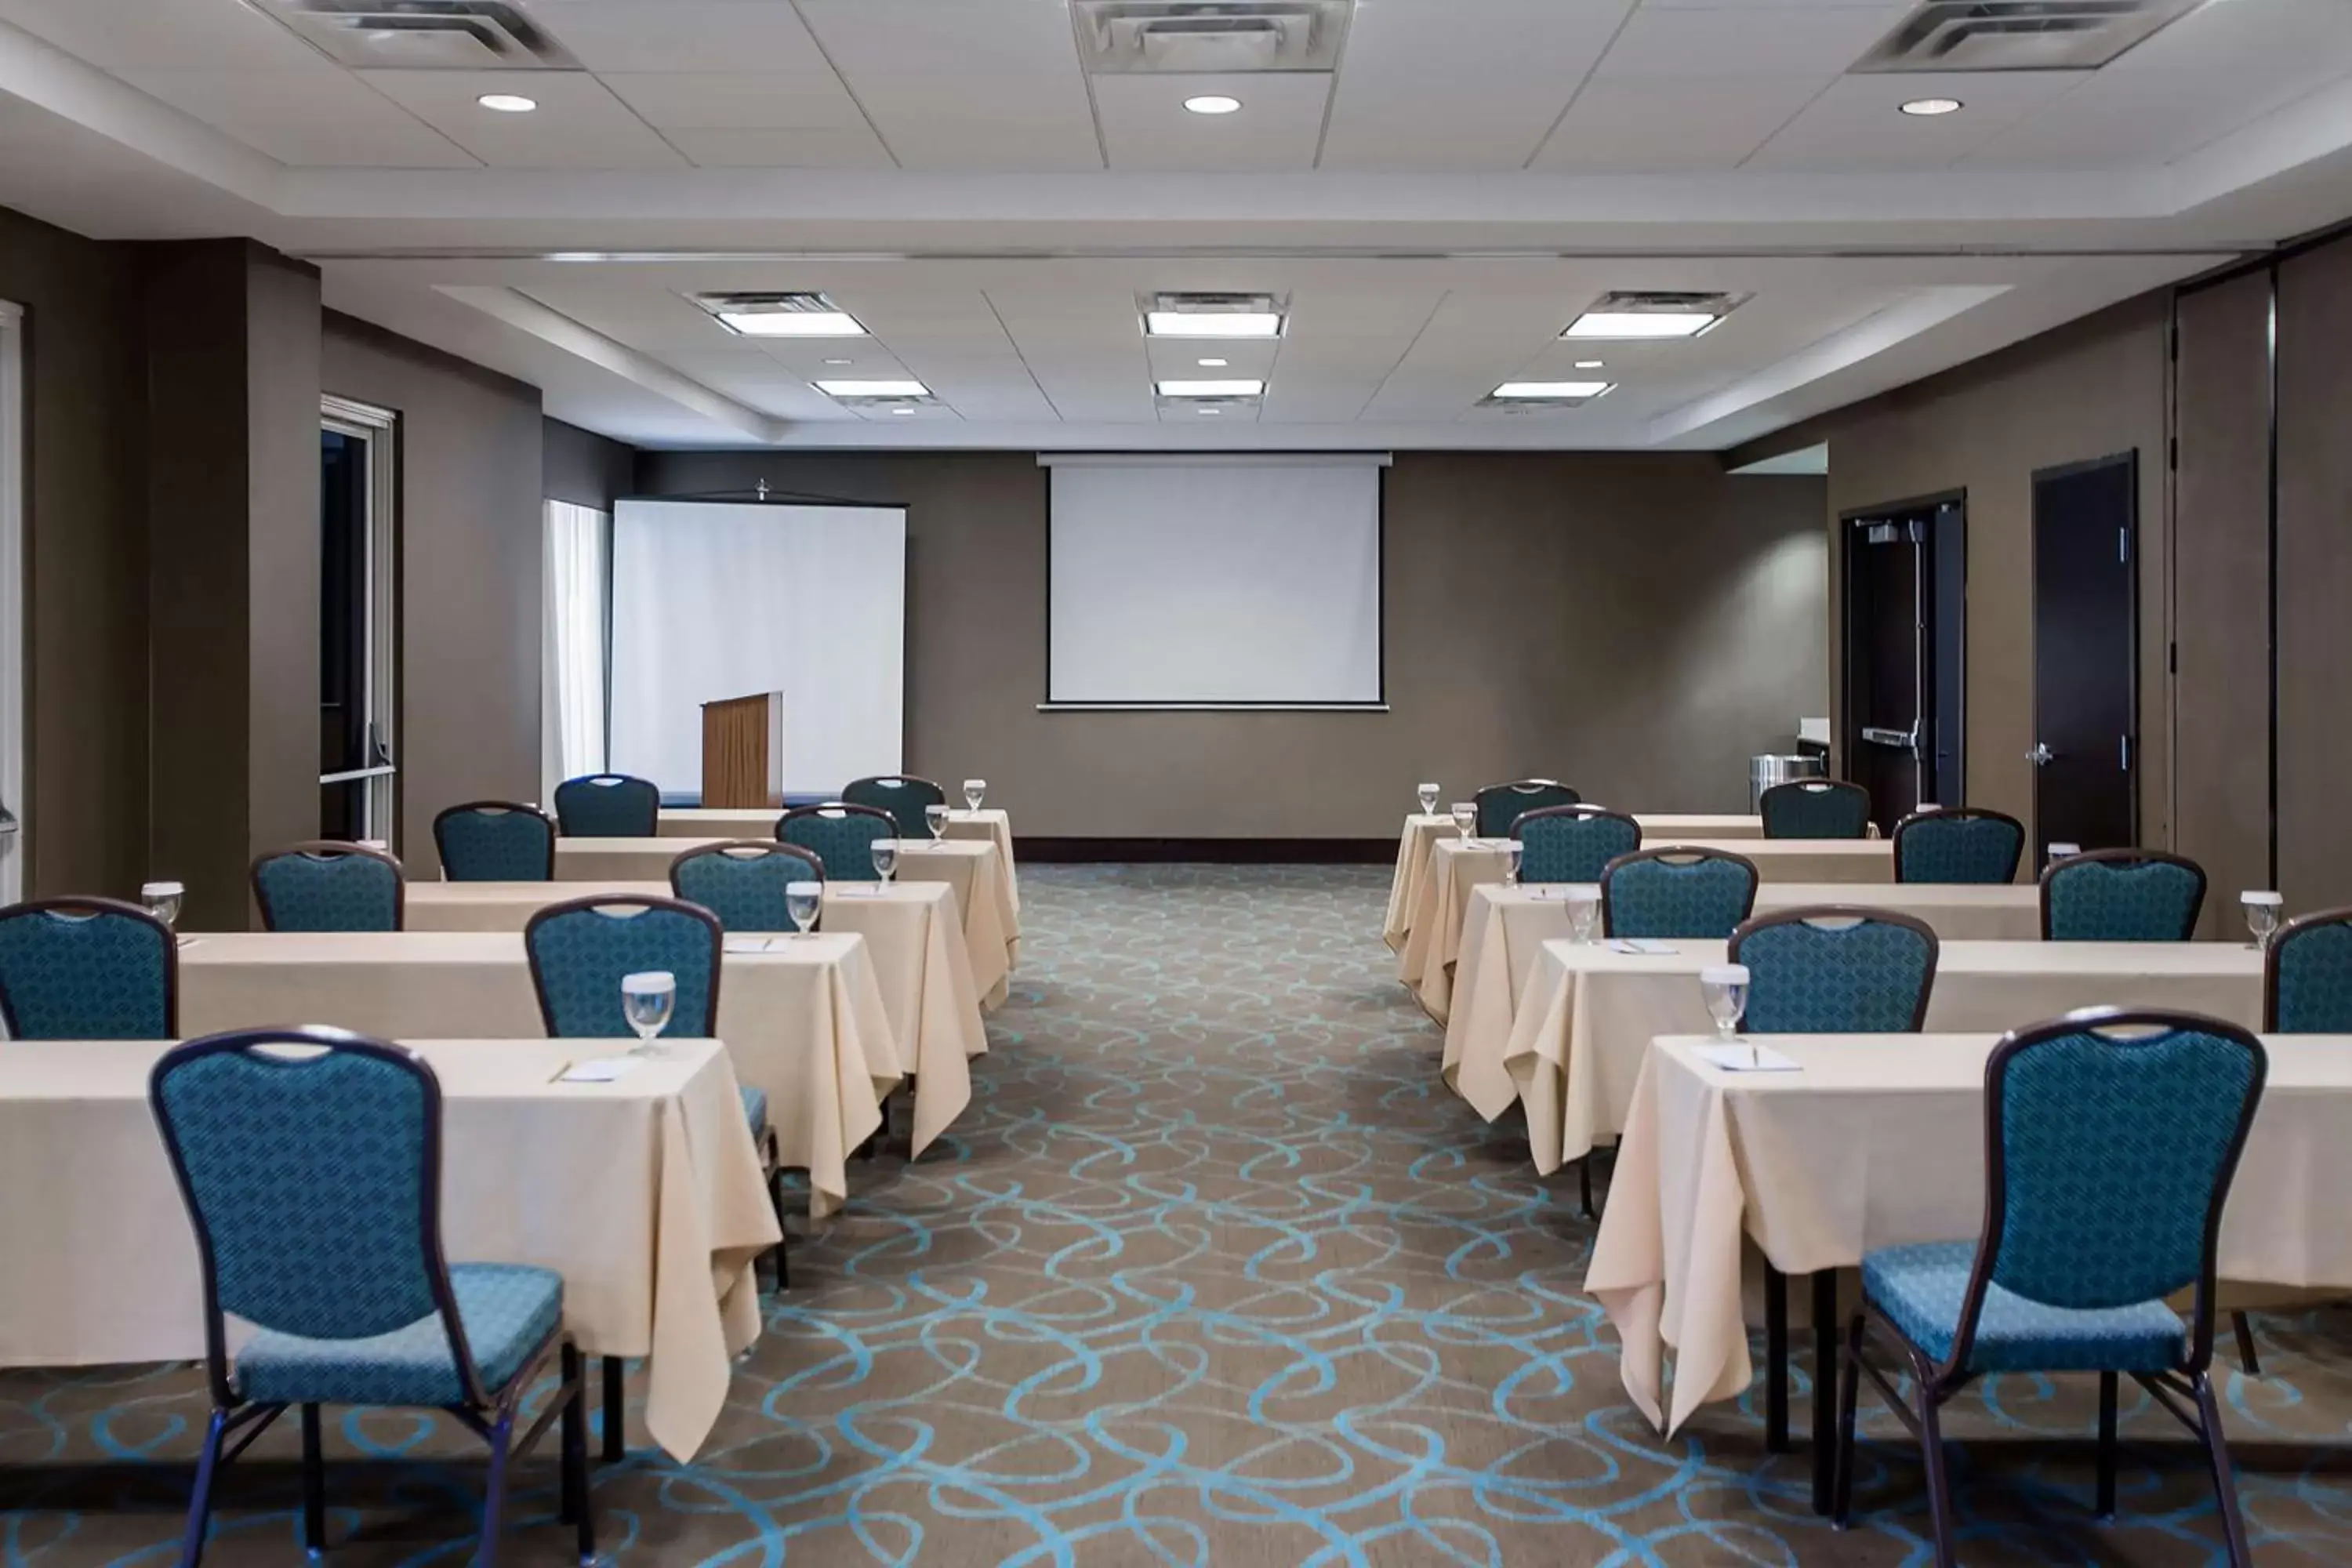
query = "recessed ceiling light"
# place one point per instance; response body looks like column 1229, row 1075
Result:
column 1215, row 363
column 1211, row 388
column 1212, row 323
column 877, row 388
column 793, row 323
column 1552, row 391
column 508, row 102
column 1641, row 324
column 1929, row 107
column 1588, row 364
column 1212, row 103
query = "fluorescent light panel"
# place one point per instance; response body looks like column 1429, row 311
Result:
column 1549, row 390
column 1641, row 324
column 1212, row 323
column 793, row 323
column 873, row 388
column 1212, row 388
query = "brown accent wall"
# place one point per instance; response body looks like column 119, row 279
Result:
column 1637, row 625
column 2314, row 577
column 470, row 482
column 583, row 468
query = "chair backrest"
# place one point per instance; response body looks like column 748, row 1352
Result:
column 495, row 841
column 1501, row 804
column 313, row 1182
column 1815, row 808
column 842, row 836
column 2111, row 1138
column 330, row 885
column 742, row 881
column 903, row 795
column 88, row 969
column 2121, row 895
column 580, row 950
column 608, row 805
column 1959, row 843
column 1676, row 890
column 2308, row 976
column 1835, row 969
column 1572, row 843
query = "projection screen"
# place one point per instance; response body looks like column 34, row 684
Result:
column 713, row 600
column 1240, row 582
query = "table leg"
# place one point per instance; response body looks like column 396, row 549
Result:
column 1776, row 1360
column 1825, row 1379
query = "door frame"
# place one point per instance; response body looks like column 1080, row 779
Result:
column 15, row 605
column 1934, row 500
column 2128, row 459
column 380, row 428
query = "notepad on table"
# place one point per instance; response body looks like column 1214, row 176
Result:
column 1648, row 946
column 601, row 1069
column 1746, row 1058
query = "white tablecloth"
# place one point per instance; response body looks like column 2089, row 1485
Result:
column 695, row 822
column 645, row 1194
column 1879, row 1141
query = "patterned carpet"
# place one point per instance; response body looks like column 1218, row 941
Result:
column 1216, row 1272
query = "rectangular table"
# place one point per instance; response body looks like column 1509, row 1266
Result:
column 1506, row 928
column 645, row 1194
column 1433, row 942
column 1588, row 1013
column 912, row 933
column 807, row 1023
column 1423, row 830
column 974, row 867
column 1879, row 1141
column 991, row 823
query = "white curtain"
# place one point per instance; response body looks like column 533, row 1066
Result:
column 571, row 707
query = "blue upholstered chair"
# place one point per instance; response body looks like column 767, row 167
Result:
column 1834, row 969
column 1572, row 843
column 330, row 885
column 742, row 881
column 608, row 805
column 1676, row 891
column 2121, row 895
column 88, row 969
column 495, row 841
column 1959, row 843
column 1815, row 808
column 2308, row 976
column 2111, row 1137
column 902, row 795
column 840, row 835
column 1501, row 804
column 314, row 1184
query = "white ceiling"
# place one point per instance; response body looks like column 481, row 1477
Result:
column 1472, row 176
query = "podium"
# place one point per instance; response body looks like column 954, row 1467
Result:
column 743, row 752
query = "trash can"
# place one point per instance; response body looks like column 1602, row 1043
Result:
column 1765, row 772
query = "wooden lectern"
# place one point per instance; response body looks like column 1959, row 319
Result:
column 743, row 752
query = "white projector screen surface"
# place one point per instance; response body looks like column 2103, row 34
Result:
column 1236, row 582
column 712, row 601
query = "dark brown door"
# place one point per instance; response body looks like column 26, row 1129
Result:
column 1906, row 573
column 2086, row 651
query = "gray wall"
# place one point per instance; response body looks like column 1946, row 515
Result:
column 470, row 481
column 1637, row 625
column 583, row 468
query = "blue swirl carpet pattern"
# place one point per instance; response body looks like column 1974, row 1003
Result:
column 1214, row 1274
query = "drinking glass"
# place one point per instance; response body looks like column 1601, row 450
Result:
column 1428, row 794
column 1725, row 986
column 885, row 858
column 1513, row 853
column 801, row 902
column 2262, row 916
column 2064, row 852
column 646, row 1000
column 1583, row 914
column 935, row 817
column 163, row 901
column 973, row 790
column 1466, row 818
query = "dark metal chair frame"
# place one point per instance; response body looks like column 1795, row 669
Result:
column 2300, row 926
column 1519, row 787
column 1812, row 787
column 1691, row 853
column 851, row 808
column 2128, row 857
column 895, row 779
column 73, row 905
column 1811, row 914
column 489, row 1414
column 607, row 781
column 1958, row 814
column 764, row 845
column 1937, row 1384
column 505, row 805
column 326, row 847
column 1581, row 810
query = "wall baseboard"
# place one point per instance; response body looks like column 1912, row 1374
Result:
column 1208, row 852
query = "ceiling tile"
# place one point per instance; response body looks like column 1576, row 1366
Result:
column 737, row 100
column 683, row 34
column 1857, row 122
column 1145, row 124
column 852, row 148
column 355, row 143
column 1508, row 68
column 163, row 34
column 316, row 93
column 1738, row 41
column 579, row 124
column 1645, row 125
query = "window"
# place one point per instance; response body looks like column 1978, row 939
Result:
column 572, row 684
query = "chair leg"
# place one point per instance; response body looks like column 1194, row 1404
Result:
column 494, row 1498
column 1776, row 1360
column 574, row 1435
column 2225, row 1484
column 2108, row 1384
column 615, row 1415
column 314, row 1484
column 200, row 1501
column 1939, row 1481
column 2246, row 1357
column 569, row 1431
column 1849, row 1395
column 1825, row 1342
column 1584, row 1183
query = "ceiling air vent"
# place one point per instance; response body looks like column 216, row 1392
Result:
column 2020, row 35
column 423, row 35
column 1210, row 37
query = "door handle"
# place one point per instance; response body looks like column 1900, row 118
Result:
column 2040, row 756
